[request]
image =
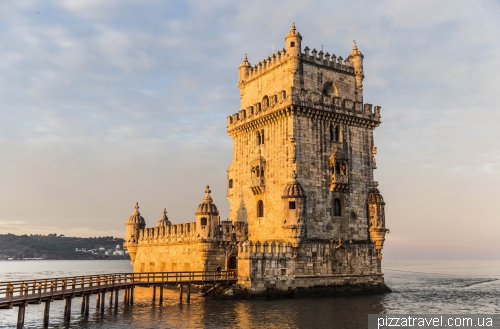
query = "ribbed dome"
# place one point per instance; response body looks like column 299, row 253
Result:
column 207, row 206
column 164, row 219
column 293, row 33
column 355, row 52
column 293, row 189
column 136, row 217
column 375, row 197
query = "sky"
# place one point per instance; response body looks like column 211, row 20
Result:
column 108, row 103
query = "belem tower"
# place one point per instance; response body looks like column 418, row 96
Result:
column 305, row 212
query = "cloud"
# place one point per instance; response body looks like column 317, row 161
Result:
column 109, row 103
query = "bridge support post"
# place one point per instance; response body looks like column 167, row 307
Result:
column 154, row 294
column 103, row 300
column 111, row 298
column 161, row 295
column 116, row 298
column 83, row 303
column 67, row 309
column 97, row 300
column 87, row 305
column 125, row 296
column 188, row 292
column 181, row 291
column 20, row 316
column 46, row 312
column 132, row 295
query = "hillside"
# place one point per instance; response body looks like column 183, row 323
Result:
column 55, row 246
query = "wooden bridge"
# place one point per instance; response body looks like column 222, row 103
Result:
column 22, row 293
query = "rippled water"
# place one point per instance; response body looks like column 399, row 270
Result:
column 418, row 287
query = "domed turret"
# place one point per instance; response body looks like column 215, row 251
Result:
column 134, row 224
column 294, row 199
column 376, row 215
column 243, row 69
column 293, row 190
column 136, row 217
column 164, row 219
column 293, row 41
column 357, row 62
column 207, row 217
column 207, row 206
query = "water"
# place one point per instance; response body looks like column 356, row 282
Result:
column 452, row 287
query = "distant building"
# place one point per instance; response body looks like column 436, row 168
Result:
column 305, row 211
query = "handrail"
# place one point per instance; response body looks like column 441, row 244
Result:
column 68, row 285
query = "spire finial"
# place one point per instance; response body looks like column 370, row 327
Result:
column 293, row 25
column 375, row 184
column 245, row 58
column 355, row 46
column 165, row 212
column 294, row 175
column 136, row 209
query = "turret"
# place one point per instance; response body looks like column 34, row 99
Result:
column 164, row 219
column 207, row 217
column 134, row 223
column 356, row 57
column 376, row 215
column 294, row 207
column 293, row 40
column 243, row 70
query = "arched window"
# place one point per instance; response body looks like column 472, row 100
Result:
column 262, row 137
column 334, row 133
column 257, row 171
column 336, row 207
column 260, row 209
column 337, row 168
column 292, row 44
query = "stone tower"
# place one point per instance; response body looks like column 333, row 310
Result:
column 301, row 176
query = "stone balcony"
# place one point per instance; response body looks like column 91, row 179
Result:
column 257, row 185
column 339, row 182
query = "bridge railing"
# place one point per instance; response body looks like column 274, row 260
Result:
column 78, row 284
column 62, row 284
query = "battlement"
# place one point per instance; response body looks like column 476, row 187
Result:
column 334, row 105
column 269, row 249
column 171, row 233
column 326, row 60
column 252, row 72
column 185, row 232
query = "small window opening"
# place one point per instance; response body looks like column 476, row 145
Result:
column 203, row 221
column 230, row 183
column 291, row 205
column 260, row 209
column 336, row 207
column 292, row 44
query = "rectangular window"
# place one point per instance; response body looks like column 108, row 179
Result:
column 230, row 183
column 291, row 205
column 203, row 221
